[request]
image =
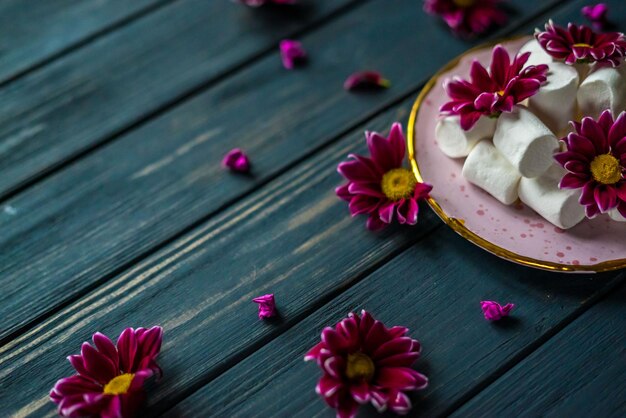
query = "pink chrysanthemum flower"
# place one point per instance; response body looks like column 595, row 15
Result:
column 379, row 186
column 363, row 361
column 489, row 93
column 580, row 44
column 467, row 16
column 596, row 161
column 493, row 311
column 257, row 3
column 110, row 378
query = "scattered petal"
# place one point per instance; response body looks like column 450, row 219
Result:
column 596, row 14
column 291, row 53
column 493, row 311
column 363, row 79
column 267, row 305
column 236, row 160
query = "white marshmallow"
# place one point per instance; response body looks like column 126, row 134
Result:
column 488, row 169
column 525, row 141
column 604, row 88
column 455, row 142
column 616, row 216
column 537, row 54
column 555, row 102
column 560, row 207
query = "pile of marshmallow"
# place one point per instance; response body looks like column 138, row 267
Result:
column 511, row 156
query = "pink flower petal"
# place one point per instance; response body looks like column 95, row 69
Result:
column 363, row 79
column 493, row 311
column 291, row 53
column 236, row 160
column 267, row 305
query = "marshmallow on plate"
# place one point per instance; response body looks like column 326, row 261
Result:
column 456, row 142
column 488, row 169
column 604, row 88
column 525, row 141
column 537, row 54
column 616, row 216
column 555, row 102
column 558, row 206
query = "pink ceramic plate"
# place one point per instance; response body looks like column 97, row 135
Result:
column 515, row 232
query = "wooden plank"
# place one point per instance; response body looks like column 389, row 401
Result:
column 33, row 31
column 86, row 97
column 435, row 289
column 578, row 373
column 294, row 238
column 87, row 223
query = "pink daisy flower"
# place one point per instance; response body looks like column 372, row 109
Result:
column 467, row 16
column 491, row 92
column 236, row 160
column 291, row 53
column 580, row 44
column 379, row 186
column 109, row 380
column 596, row 163
column 363, row 361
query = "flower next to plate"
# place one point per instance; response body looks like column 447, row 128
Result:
column 291, row 53
column 596, row 14
column 109, row 380
column 379, row 186
column 257, row 3
column 467, row 16
column 493, row 311
column 596, row 163
column 580, row 44
column 267, row 305
column 363, row 361
column 491, row 92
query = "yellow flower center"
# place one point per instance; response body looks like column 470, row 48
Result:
column 119, row 385
column 500, row 93
column 464, row 3
column 605, row 169
column 359, row 366
column 398, row 183
column 582, row 45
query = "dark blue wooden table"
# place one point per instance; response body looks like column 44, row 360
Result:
column 115, row 212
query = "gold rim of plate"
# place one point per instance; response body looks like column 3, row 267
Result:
column 458, row 225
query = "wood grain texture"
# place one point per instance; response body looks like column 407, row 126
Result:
column 578, row 373
column 33, row 31
column 97, row 91
column 294, row 238
column 435, row 289
column 73, row 231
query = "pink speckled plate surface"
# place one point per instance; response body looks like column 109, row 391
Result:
column 515, row 232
